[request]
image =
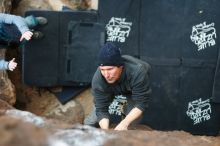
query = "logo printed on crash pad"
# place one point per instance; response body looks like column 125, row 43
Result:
column 118, row 29
column 117, row 105
column 199, row 111
column 203, row 35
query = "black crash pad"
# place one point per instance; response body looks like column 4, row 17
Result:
column 44, row 60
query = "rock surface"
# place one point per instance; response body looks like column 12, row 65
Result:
column 36, row 132
column 7, row 89
column 71, row 112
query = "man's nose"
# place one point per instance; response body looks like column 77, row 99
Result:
column 106, row 73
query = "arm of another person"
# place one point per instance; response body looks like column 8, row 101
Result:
column 3, row 64
column 19, row 22
column 11, row 65
column 140, row 94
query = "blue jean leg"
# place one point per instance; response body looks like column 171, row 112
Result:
column 91, row 119
column 31, row 21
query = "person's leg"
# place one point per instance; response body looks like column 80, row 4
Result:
column 31, row 21
column 91, row 119
column 10, row 33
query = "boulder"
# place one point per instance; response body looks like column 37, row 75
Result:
column 15, row 132
column 7, row 89
column 18, row 125
column 71, row 112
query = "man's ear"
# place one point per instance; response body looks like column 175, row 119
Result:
column 121, row 67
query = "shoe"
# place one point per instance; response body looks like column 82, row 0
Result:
column 41, row 20
column 37, row 35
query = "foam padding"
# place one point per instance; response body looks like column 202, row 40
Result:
column 81, row 53
column 68, row 93
column 43, row 59
column 122, row 20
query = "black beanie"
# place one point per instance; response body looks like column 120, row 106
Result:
column 110, row 55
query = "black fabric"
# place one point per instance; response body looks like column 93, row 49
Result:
column 160, row 28
column 122, row 18
column 160, row 47
column 84, row 41
column 164, row 101
column 68, row 93
column 41, row 57
column 216, row 83
column 67, row 51
column 199, row 65
column 44, row 59
column 196, row 83
column 182, row 71
column 182, row 74
column 11, row 33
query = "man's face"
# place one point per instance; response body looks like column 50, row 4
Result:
column 111, row 73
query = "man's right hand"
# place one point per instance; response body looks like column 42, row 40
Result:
column 104, row 123
column 26, row 35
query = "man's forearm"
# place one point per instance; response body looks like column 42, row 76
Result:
column 104, row 123
column 134, row 114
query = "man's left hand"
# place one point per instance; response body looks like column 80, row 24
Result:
column 121, row 126
column 132, row 115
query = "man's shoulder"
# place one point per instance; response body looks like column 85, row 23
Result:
column 135, row 63
column 98, row 83
column 97, row 75
column 97, row 79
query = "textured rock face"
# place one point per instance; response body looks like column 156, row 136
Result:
column 19, row 128
column 5, row 5
column 7, row 89
column 159, row 138
column 14, row 132
column 25, row 5
column 71, row 113
column 4, row 105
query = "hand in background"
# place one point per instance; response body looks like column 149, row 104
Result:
column 26, row 35
column 12, row 64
